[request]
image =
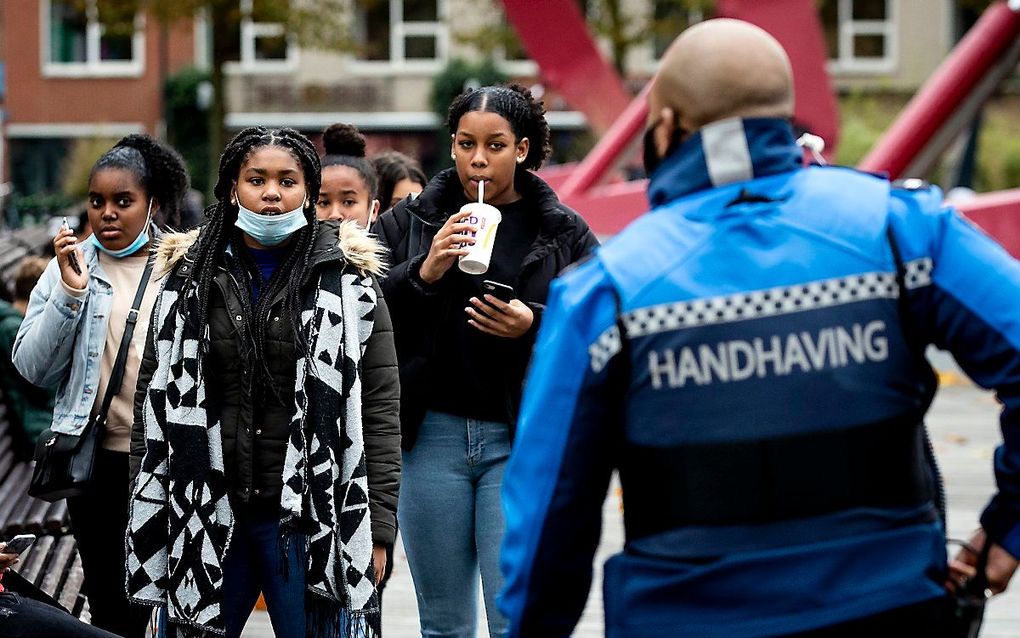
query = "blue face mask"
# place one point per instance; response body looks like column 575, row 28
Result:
column 270, row 230
column 141, row 240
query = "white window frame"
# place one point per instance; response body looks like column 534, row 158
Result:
column 399, row 30
column 848, row 28
column 93, row 66
column 250, row 32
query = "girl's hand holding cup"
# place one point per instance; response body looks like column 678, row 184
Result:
column 70, row 259
column 447, row 247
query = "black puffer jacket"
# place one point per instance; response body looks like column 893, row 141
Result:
column 255, row 424
column 418, row 308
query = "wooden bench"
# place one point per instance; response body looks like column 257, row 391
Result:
column 52, row 563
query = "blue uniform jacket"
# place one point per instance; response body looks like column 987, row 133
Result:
column 759, row 300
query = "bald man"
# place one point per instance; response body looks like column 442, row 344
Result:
column 749, row 356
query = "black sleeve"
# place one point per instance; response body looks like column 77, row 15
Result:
column 402, row 284
column 380, row 410
column 145, row 372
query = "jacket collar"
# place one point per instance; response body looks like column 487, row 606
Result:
column 725, row 152
column 444, row 195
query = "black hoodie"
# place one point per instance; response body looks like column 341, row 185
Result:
column 422, row 313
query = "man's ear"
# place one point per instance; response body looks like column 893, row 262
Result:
column 663, row 134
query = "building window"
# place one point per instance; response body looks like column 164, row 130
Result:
column 669, row 18
column 261, row 42
column 401, row 33
column 860, row 34
column 85, row 38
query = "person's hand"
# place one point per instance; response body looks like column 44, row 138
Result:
column 1001, row 565
column 446, row 247
column 6, row 560
column 64, row 245
column 500, row 319
column 379, row 560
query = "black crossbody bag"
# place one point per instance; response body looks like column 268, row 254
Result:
column 64, row 462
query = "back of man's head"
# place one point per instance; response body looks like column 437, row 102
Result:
column 720, row 69
column 27, row 275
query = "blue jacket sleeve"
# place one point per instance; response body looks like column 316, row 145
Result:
column 559, row 471
column 45, row 341
column 972, row 309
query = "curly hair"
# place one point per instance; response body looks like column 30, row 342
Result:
column 160, row 171
column 517, row 106
column 220, row 232
column 393, row 167
column 345, row 146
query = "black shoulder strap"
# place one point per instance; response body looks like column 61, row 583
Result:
column 117, row 375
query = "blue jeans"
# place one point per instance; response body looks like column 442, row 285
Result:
column 253, row 564
column 451, row 520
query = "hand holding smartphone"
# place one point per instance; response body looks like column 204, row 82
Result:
column 498, row 290
column 18, row 544
column 72, row 258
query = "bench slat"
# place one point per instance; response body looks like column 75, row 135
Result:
column 56, row 571
column 31, row 566
column 13, row 492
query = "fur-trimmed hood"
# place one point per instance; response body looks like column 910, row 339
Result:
column 358, row 247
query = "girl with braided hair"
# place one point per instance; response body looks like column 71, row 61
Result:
column 349, row 181
column 76, row 320
column 265, row 451
column 463, row 352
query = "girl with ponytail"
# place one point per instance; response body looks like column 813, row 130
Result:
column 349, row 181
column 76, row 320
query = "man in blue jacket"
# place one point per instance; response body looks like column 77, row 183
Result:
column 749, row 355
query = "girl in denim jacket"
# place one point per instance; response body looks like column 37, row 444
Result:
column 70, row 338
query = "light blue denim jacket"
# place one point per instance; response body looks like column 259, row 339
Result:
column 62, row 338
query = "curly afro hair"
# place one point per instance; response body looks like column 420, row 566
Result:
column 160, row 170
column 517, row 106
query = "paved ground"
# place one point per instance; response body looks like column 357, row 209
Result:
column 965, row 431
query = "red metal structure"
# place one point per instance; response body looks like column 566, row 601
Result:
column 940, row 111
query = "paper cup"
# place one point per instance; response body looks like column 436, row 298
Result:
column 487, row 219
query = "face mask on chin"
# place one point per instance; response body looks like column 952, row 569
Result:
column 649, row 156
column 141, row 240
column 270, row 230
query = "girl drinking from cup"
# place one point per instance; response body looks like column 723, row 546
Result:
column 462, row 352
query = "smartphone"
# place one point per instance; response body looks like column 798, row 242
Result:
column 72, row 257
column 19, row 544
column 500, row 291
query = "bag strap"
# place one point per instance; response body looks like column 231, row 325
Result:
column 117, row 375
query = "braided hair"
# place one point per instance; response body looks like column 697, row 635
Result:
column 160, row 171
column 516, row 105
column 393, row 167
column 221, row 232
column 345, row 146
